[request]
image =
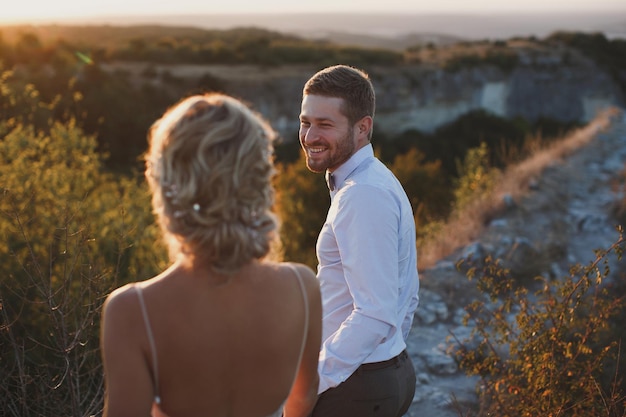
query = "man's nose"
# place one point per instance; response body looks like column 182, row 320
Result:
column 309, row 134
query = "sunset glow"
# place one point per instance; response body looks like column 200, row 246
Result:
column 34, row 11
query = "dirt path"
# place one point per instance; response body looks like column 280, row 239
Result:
column 559, row 219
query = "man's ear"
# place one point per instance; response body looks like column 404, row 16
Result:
column 364, row 126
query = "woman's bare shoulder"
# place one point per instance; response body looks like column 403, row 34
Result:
column 306, row 274
column 287, row 268
column 305, row 271
column 120, row 299
column 128, row 293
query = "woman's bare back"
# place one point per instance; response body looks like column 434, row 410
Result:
column 230, row 346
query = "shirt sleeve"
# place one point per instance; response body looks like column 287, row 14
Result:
column 366, row 229
column 408, row 319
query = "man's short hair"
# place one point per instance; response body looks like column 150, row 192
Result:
column 348, row 83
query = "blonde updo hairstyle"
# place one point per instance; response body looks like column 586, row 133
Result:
column 209, row 169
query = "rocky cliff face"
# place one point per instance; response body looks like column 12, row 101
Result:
column 533, row 80
column 558, row 84
column 424, row 99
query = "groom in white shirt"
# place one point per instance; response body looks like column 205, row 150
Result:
column 366, row 253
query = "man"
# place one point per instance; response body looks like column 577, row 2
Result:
column 366, row 253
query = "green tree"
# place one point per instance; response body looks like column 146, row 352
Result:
column 426, row 186
column 450, row 143
column 477, row 178
column 301, row 204
column 21, row 103
column 69, row 234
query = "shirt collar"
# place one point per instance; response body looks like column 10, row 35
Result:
column 345, row 169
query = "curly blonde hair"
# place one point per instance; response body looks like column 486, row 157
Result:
column 209, row 167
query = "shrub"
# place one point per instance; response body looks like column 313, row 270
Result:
column 476, row 177
column 69, row 234
column 501, row 58
column 301, row 204
column 546, row 353
column 425, row 185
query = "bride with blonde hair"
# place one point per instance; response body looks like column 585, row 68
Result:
column 224, row 331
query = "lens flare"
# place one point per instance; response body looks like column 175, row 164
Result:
column 84, row 58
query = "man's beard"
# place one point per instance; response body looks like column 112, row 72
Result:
column 337, row 156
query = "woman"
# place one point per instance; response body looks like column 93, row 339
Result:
column 221, row 332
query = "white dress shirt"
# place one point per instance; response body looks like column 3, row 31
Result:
column 367, row 269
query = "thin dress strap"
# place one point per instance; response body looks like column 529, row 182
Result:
column 305, row 300
column 155, row 363
column 279, row 412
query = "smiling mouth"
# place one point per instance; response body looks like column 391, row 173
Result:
column 316, row 150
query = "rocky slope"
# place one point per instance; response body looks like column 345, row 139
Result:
column 565, row 214
column 525, row 80
column 519, row 78
column 545, row 83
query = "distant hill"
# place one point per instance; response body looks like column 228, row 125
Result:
column 364, row 28
column 396, row 43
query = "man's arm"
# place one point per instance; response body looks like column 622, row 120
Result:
column 366, row 229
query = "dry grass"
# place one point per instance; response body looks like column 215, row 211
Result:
column 466, row 225
column 441, row 54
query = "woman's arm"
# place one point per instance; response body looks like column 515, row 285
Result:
column 303, row 394
column 128, row 384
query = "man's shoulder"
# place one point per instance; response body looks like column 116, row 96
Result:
column 373, row 174
column 366, row 193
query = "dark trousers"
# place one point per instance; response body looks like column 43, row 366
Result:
column 381, row 389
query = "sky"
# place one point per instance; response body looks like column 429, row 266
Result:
column 33, row 11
